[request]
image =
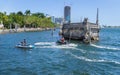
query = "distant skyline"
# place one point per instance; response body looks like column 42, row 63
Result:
column 108, row 9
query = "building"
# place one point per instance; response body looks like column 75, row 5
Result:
column 59, row 20
column 67, row 14
column 1, row 25
column 53, row 19
column 84, row 31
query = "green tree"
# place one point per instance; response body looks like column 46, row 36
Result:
column 27, row 12
column 20, row 13
column 34, row 20
column 40, row 15
column 1, row 16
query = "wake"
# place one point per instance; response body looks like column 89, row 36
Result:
column 44, row 43
column 70, row 46
column 105, row 47
column 53, row 45
column 93, row 60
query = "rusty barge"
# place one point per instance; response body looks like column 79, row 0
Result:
column 83, row 31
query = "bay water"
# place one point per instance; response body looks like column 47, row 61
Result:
column 48, row 58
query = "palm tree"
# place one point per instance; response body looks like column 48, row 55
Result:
column 27, row 12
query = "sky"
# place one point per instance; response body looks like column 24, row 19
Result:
column 109, row 10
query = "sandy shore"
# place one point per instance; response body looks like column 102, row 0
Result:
column 22, row 30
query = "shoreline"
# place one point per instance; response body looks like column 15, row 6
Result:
column 5, row 31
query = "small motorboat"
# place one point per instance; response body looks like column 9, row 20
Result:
column 25, row 46
column 61, row 43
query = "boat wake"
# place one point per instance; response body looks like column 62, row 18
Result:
column 105, row 47
column 44, row 43
column 53, row 45
column 93, row 60
column 81, row 50
column 71, row 46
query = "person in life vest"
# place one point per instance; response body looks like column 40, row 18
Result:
column 62, row 40
column 24, row 42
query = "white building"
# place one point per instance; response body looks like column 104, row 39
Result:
column 1, row 25
column 53, row 19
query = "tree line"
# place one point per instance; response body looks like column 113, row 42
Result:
column 26, row 19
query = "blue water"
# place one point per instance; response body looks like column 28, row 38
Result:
column 47, row 58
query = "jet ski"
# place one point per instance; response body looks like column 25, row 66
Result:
column 25, row 46
column 61, row 43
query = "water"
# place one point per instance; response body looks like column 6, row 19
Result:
column 47, row 58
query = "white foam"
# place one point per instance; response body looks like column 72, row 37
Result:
column 83, row 51
column 72, row 45
column 105, row 47
column 44, row 43
column 53, row 45
column 92, row 60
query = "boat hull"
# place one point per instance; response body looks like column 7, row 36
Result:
column 25, row 47
column 61, row 43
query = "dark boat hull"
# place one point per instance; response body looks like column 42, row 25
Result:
column 61, row 43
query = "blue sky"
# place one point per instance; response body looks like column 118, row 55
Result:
column 109, row 10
